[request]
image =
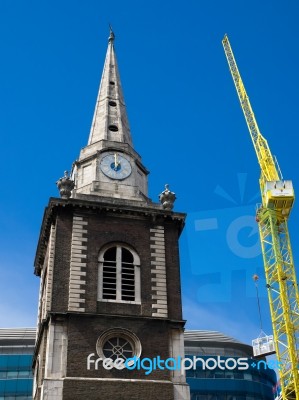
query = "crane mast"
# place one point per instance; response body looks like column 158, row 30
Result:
column 277, row 202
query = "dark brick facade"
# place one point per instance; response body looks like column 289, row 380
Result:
column 83, row 333
column 64, row 221
column 93, row 390
column 111, row 223
column 109, row 227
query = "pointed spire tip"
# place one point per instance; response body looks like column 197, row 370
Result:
column 112, row 35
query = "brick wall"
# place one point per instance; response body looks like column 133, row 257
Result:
column 61, row 268
column 110, row 228
column 99, row 390
column 93, row 317
column 83, row 333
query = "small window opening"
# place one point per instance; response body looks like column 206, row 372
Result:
column 113, row 128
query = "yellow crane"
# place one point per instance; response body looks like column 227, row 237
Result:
column 277, row 201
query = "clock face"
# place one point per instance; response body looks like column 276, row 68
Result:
column 116, row 166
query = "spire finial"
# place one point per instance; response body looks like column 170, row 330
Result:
column 111, row 36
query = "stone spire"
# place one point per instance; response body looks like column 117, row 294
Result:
column 110, row 120
column 109, row 166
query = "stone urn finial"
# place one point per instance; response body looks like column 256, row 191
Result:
column 65, row 185
column 167, row 198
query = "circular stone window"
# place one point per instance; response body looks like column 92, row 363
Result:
column 118, row 343
column 118, row 347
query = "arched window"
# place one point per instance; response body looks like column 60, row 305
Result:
column 119, row 274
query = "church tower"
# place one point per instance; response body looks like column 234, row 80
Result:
column 108, row 259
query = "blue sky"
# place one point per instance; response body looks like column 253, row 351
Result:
column 185, row 120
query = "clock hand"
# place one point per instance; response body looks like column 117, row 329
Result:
column 116, row 161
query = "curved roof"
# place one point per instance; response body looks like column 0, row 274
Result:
column 209, row 336
column 214, row 340
column 15, row 336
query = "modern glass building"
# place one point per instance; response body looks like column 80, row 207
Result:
column 229, row 381
column 16, row 351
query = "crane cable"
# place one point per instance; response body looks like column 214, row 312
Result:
column 256, row 278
